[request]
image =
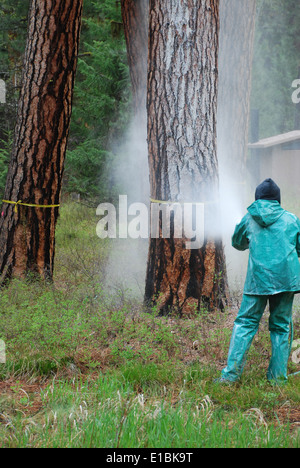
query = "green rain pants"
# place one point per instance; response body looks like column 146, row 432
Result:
column 246, row 326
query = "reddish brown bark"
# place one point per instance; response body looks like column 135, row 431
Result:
column 182, row 106
column 27, row 237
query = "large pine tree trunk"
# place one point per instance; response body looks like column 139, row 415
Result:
column 182, row 107
column 27, row 235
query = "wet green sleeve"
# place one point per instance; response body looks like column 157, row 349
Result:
column 298, row 238
column 240, row 239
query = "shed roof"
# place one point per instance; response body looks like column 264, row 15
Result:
column 276, row 140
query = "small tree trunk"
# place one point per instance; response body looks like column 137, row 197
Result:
column 27, row 236
column 182, row 106
column 135, row 15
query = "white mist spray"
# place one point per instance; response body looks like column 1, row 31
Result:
column 237, row 28
column 126, row 268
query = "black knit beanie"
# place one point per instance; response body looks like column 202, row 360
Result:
column 268, row 190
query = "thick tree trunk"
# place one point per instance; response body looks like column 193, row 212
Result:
column 27, row 234
column 182, row 107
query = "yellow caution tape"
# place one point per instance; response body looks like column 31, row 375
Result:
column 161, row 202
column 32, row 205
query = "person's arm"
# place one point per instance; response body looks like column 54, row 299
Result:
column 298, row 238
column 240, row 239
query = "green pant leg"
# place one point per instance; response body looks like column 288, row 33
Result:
column 244, row 330
column 281, row 310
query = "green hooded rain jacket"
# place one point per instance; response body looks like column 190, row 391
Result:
column 272, row 236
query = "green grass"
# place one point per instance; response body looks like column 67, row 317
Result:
column 88, row 366
column 108, row 411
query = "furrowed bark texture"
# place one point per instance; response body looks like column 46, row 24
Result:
column 27, row 238
column 182, row 107
column 237, row 28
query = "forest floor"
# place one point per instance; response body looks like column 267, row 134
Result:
column 88, row 366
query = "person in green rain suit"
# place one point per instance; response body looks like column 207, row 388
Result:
column 272, row 236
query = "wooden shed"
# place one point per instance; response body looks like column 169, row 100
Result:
column 278, row 157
